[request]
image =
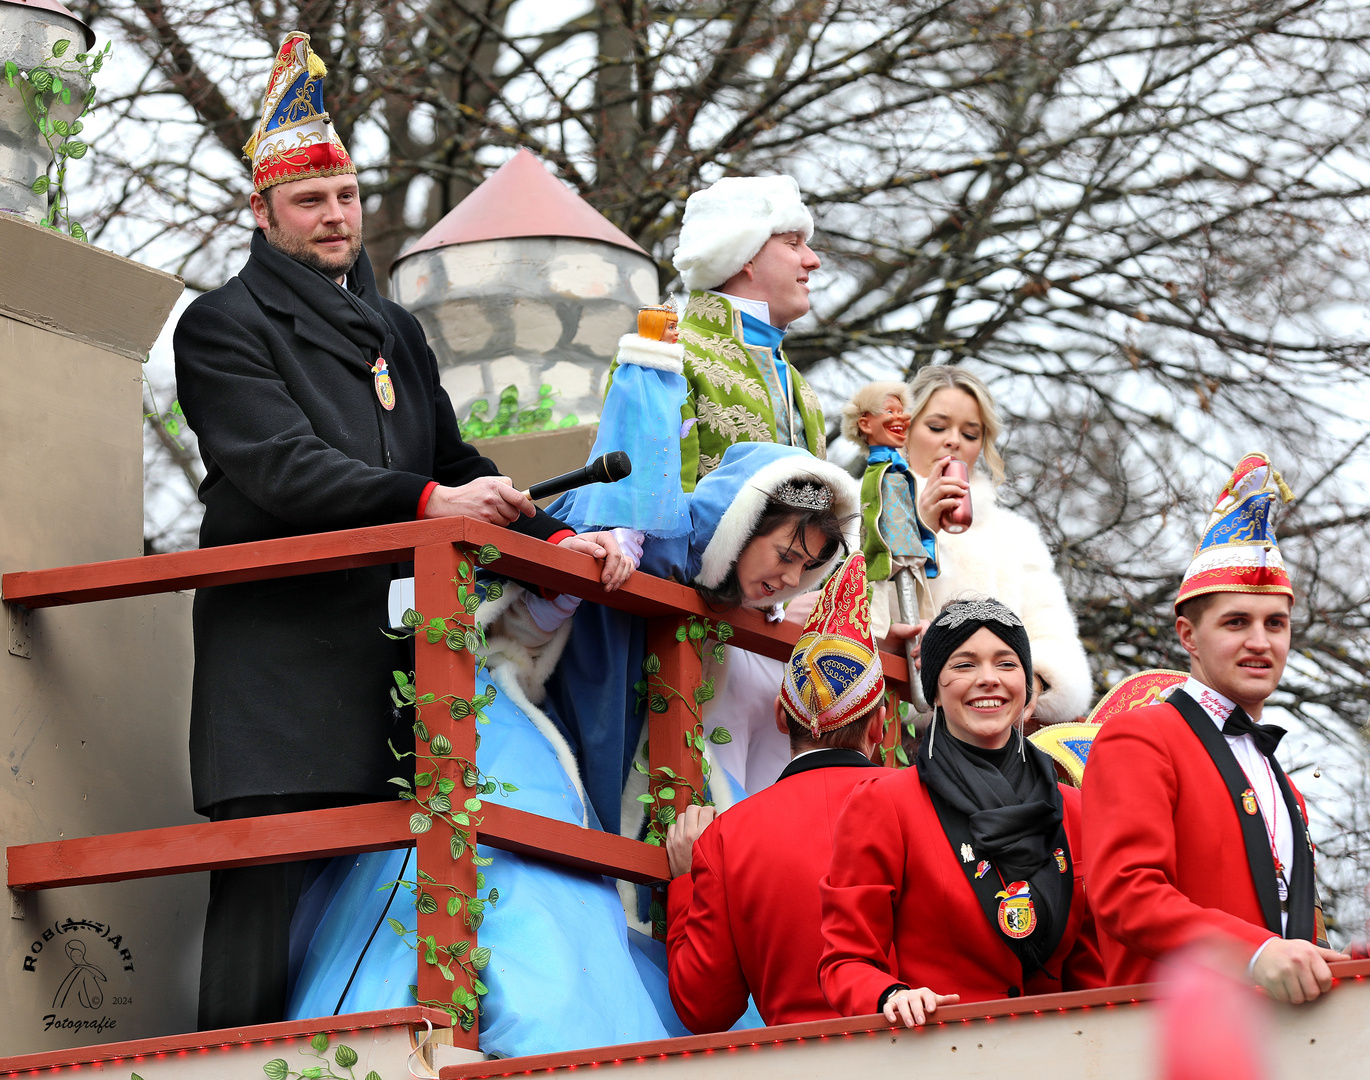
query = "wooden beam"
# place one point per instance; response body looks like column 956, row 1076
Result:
column 227, row 565
column 522, row 558
column 316, row 834
column 713, row 1052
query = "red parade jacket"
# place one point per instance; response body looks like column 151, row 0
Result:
column 896, row 880
column 745, row 919
column 1163, row 844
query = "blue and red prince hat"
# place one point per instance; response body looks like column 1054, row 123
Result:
column 1238, row 552
column 295, row 139
column 834, row 674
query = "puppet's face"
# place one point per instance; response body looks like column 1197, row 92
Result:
column 888, row 427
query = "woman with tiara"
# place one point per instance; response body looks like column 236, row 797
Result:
column 966, row 868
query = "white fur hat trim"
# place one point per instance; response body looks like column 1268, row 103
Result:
column 725, row 225
column 739, row 521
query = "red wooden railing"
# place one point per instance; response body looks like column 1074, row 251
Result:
column 437, row 548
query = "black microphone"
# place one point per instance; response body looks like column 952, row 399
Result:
column 603, row 470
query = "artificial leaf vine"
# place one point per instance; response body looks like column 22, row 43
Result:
column 903, row 715
column 436, row 796
column 344, row 1057
column 657, row 694
column 43, row 86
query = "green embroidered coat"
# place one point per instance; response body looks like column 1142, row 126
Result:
column 735, row 392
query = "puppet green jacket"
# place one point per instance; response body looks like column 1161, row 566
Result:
column 874, row 546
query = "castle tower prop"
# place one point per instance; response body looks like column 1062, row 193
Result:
column 29, row 29
column 525, row 284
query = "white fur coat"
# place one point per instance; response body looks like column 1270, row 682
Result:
column 1002, row 555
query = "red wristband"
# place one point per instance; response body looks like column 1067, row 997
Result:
column 423, row 499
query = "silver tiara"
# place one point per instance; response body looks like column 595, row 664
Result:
column 804, row 495
column 979, row 610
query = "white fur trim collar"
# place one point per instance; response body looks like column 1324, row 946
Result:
column 650, row 353
column 740, row 520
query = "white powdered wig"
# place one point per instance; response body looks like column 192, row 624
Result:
column 739, row 521
column 725, row 225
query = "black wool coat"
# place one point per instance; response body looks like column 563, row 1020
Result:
column 292, row 676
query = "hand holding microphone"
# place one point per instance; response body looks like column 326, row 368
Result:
column 494, row 499
column 605, row 469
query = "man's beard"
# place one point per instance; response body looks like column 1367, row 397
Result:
column 301, row 250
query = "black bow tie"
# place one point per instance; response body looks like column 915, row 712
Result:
column 1266, row 736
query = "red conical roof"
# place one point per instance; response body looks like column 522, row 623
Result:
column 521, row 199
column 60, row 9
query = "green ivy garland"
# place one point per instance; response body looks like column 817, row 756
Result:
column 509, row 419
column 657, row 693
column 905, row 718
column 459, row 963
column 344, row 1057
column 42, row 86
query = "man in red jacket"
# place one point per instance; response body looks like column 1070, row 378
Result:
column 743, row 913
column 1191, row 828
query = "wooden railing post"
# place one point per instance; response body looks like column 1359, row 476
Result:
column 674, row 737
column 894, row 732
column 447, row 673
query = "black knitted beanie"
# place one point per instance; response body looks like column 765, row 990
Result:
column 957, row 622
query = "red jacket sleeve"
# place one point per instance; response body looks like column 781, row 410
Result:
column 859, row 895
column 1083, row 968
column 1130, row 792
column 707, row 985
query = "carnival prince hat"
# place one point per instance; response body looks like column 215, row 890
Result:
column 295, row 139
column 834, row 674
column 1238, row 552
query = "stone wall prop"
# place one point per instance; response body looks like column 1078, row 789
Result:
column 527, row 312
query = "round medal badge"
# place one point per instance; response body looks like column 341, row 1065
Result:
column 385, row 389
column 1017, row 917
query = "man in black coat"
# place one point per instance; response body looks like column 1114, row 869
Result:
column 318, row 406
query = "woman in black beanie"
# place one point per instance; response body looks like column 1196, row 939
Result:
column 966, row 866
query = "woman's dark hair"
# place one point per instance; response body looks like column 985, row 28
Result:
column 779, row 515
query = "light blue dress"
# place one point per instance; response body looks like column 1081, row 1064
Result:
column 561, row 976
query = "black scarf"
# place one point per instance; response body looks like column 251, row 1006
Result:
column 1008, row 809
column 349, row 319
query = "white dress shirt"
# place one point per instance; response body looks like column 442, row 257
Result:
column 1259, row 777
column 757, row 309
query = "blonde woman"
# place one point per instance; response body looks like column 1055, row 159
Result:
column 1002, row 554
